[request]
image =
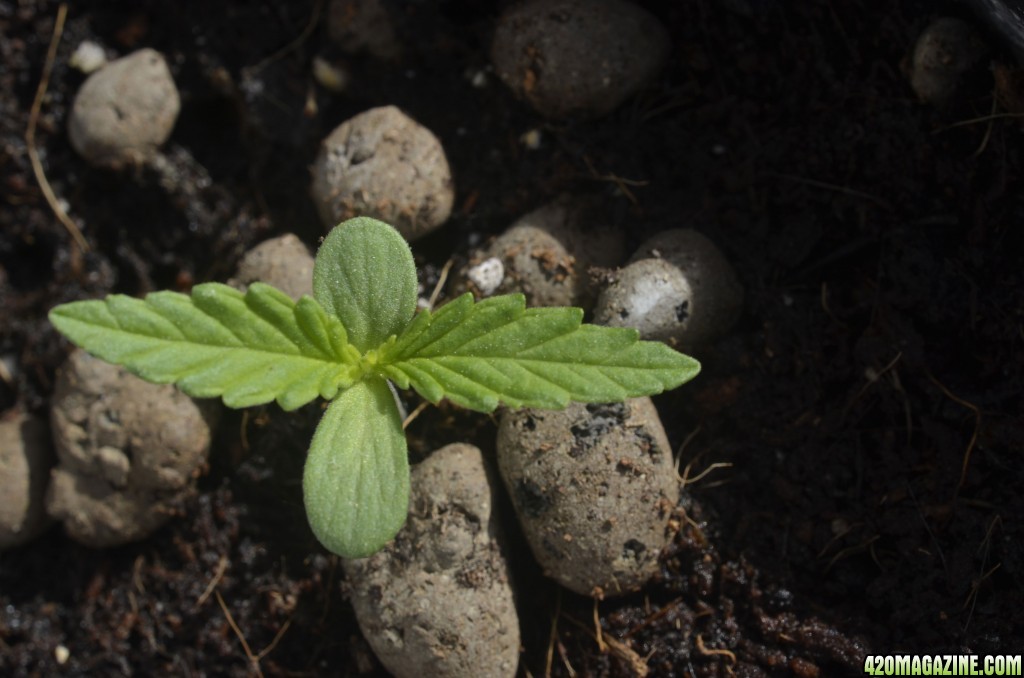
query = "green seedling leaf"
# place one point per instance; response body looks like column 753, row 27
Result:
column 248, row 348
column 497, row 351
column 345, row 342
column 356, row 480
column 365, row 275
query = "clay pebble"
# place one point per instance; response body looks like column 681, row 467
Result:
column 593, row 487
column 25, row 461
column 678, row 288
column 124, row 111
column 383, row 164
column 546, row 254
column 129, row 452
column 944, row 52
column 284, row 262
column 438, row 600
column 578, row 57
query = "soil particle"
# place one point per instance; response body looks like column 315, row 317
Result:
column 577, row 57
column 125, row 111
column 438, row 600
column 592, row 486
column 284, row 262
column 26, row 457
column 129, row 452
column 383, row 164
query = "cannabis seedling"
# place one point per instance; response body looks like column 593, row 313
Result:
column 357, row 331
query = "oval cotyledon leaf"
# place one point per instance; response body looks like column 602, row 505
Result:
column 356, row 480
column 365, row 275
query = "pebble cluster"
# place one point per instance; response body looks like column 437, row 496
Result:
column 592, row 487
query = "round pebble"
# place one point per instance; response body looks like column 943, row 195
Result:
column 383, row 164
column 946, row 50
column 25, row 461
column 129, row 452
column 124, row 111
column 438, row 600
column 578, row 57
column 677, row 288
column 545, row 254
column 284, row 262
column 593, row 487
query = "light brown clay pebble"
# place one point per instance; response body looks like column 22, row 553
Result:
column 129, row 452
column 284, row 262
column 546, row 253
column 438, row 601
column 125, row 111
column 383, row 164
column 25, row 461
column 678, row 288
column 593, row 486
column 578, row 57
column 946, row 50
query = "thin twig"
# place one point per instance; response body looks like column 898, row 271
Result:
column 415, row 413
column 238, row 632
column 277, row 639
column 682, row 448
column 853, row 192
column 622, row 183
column 988, row 131
column 974, row 436
column 712, row 652
column 222, row 566
column 441, row 280
column 30, row 133
column 975, row 121
column 255, row 659
column 553, row 637
column 303, row 36
column 598, row 635
column 700, row 476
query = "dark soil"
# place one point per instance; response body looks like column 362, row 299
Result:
column 869, row 402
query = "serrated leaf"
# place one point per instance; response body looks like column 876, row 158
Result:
column 365, row 275
column 497, row 351
column 356, row 480
column 248, row 348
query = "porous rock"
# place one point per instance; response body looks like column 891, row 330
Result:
column 284, row 262
column 437, row 601
column 124, row 111
column 946, row 50
column 578, row 57
column 593, row 486
column 383, row 164
column 129, row 452
column 545, row 254
column 678, row 288
column 25, row 461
